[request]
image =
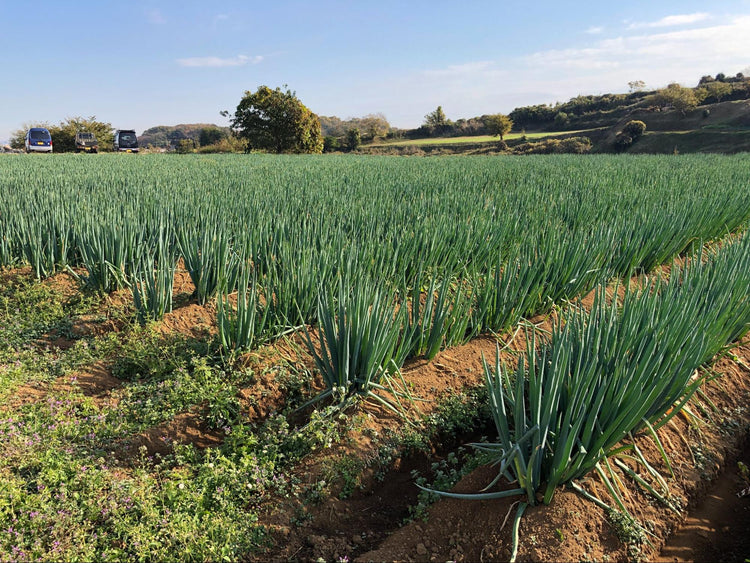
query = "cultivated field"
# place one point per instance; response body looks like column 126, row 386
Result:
column 478, row 138
column 253, row 357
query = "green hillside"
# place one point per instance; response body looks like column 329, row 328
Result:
column 722, row 127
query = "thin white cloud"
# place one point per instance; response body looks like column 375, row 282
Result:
column 717, row 45
column 595, row 30
column 672, row 21
column 218, row 19
column 462, row 69
column 155, row 17
column 218, row 62
column 657, row 56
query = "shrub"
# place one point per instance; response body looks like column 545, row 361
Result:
column 573, row 145
column 226, row 145
column 634, row 129
column 331, row 144
column 623, row 141
column 185, row 146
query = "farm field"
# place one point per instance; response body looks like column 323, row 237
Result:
column 253, row 357
column 477, row 138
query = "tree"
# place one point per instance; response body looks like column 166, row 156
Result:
column 436, row 119
column 374, row 125
column 185, row 146
column 623, row 141
column 353, row 139
column 636, row 85
column 210, row 136
column 632, row 131
column 562, row 119
column 277, row 121
column 717, row 90
column 680, row 98
column 499, row 124
column 331, row 144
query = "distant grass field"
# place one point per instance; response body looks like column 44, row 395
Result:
column 713, row 140
column 473, row 139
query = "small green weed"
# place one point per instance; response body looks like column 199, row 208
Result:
column 444, row 475
column 628, row 532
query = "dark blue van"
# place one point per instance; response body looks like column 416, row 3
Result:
column 38, row 139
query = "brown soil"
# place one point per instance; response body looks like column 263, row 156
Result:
column 717, row 528
column 185, row 428
column 95, row 381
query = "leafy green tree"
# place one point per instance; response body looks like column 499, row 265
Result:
column 623, row 141
column 499, row 124
column 436, row 119
column 185, row 146
column 631, row 132
column 717, row 90
column 210, row 136
column 353, row 139
column 277, row 121
column 562, row 119
column 680, row 98
column 64, row 134
column 331, row 144
column 373, row 125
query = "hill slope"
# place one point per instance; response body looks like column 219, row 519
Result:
column 722, row 128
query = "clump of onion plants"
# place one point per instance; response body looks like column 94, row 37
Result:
column 208, row 258
column 359, row 334
column 243, row 325
column 153, row 278
column 434, row 316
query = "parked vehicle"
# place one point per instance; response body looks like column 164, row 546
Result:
column 125, row 141
column 86, row 142
column 38, row 139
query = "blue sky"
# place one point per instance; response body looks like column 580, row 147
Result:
column 138, row 64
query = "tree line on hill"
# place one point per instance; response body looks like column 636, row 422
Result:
column 570, row 114
column 275, row 120
column 582, row 112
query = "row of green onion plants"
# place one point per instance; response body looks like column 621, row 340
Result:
column 628, row 364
